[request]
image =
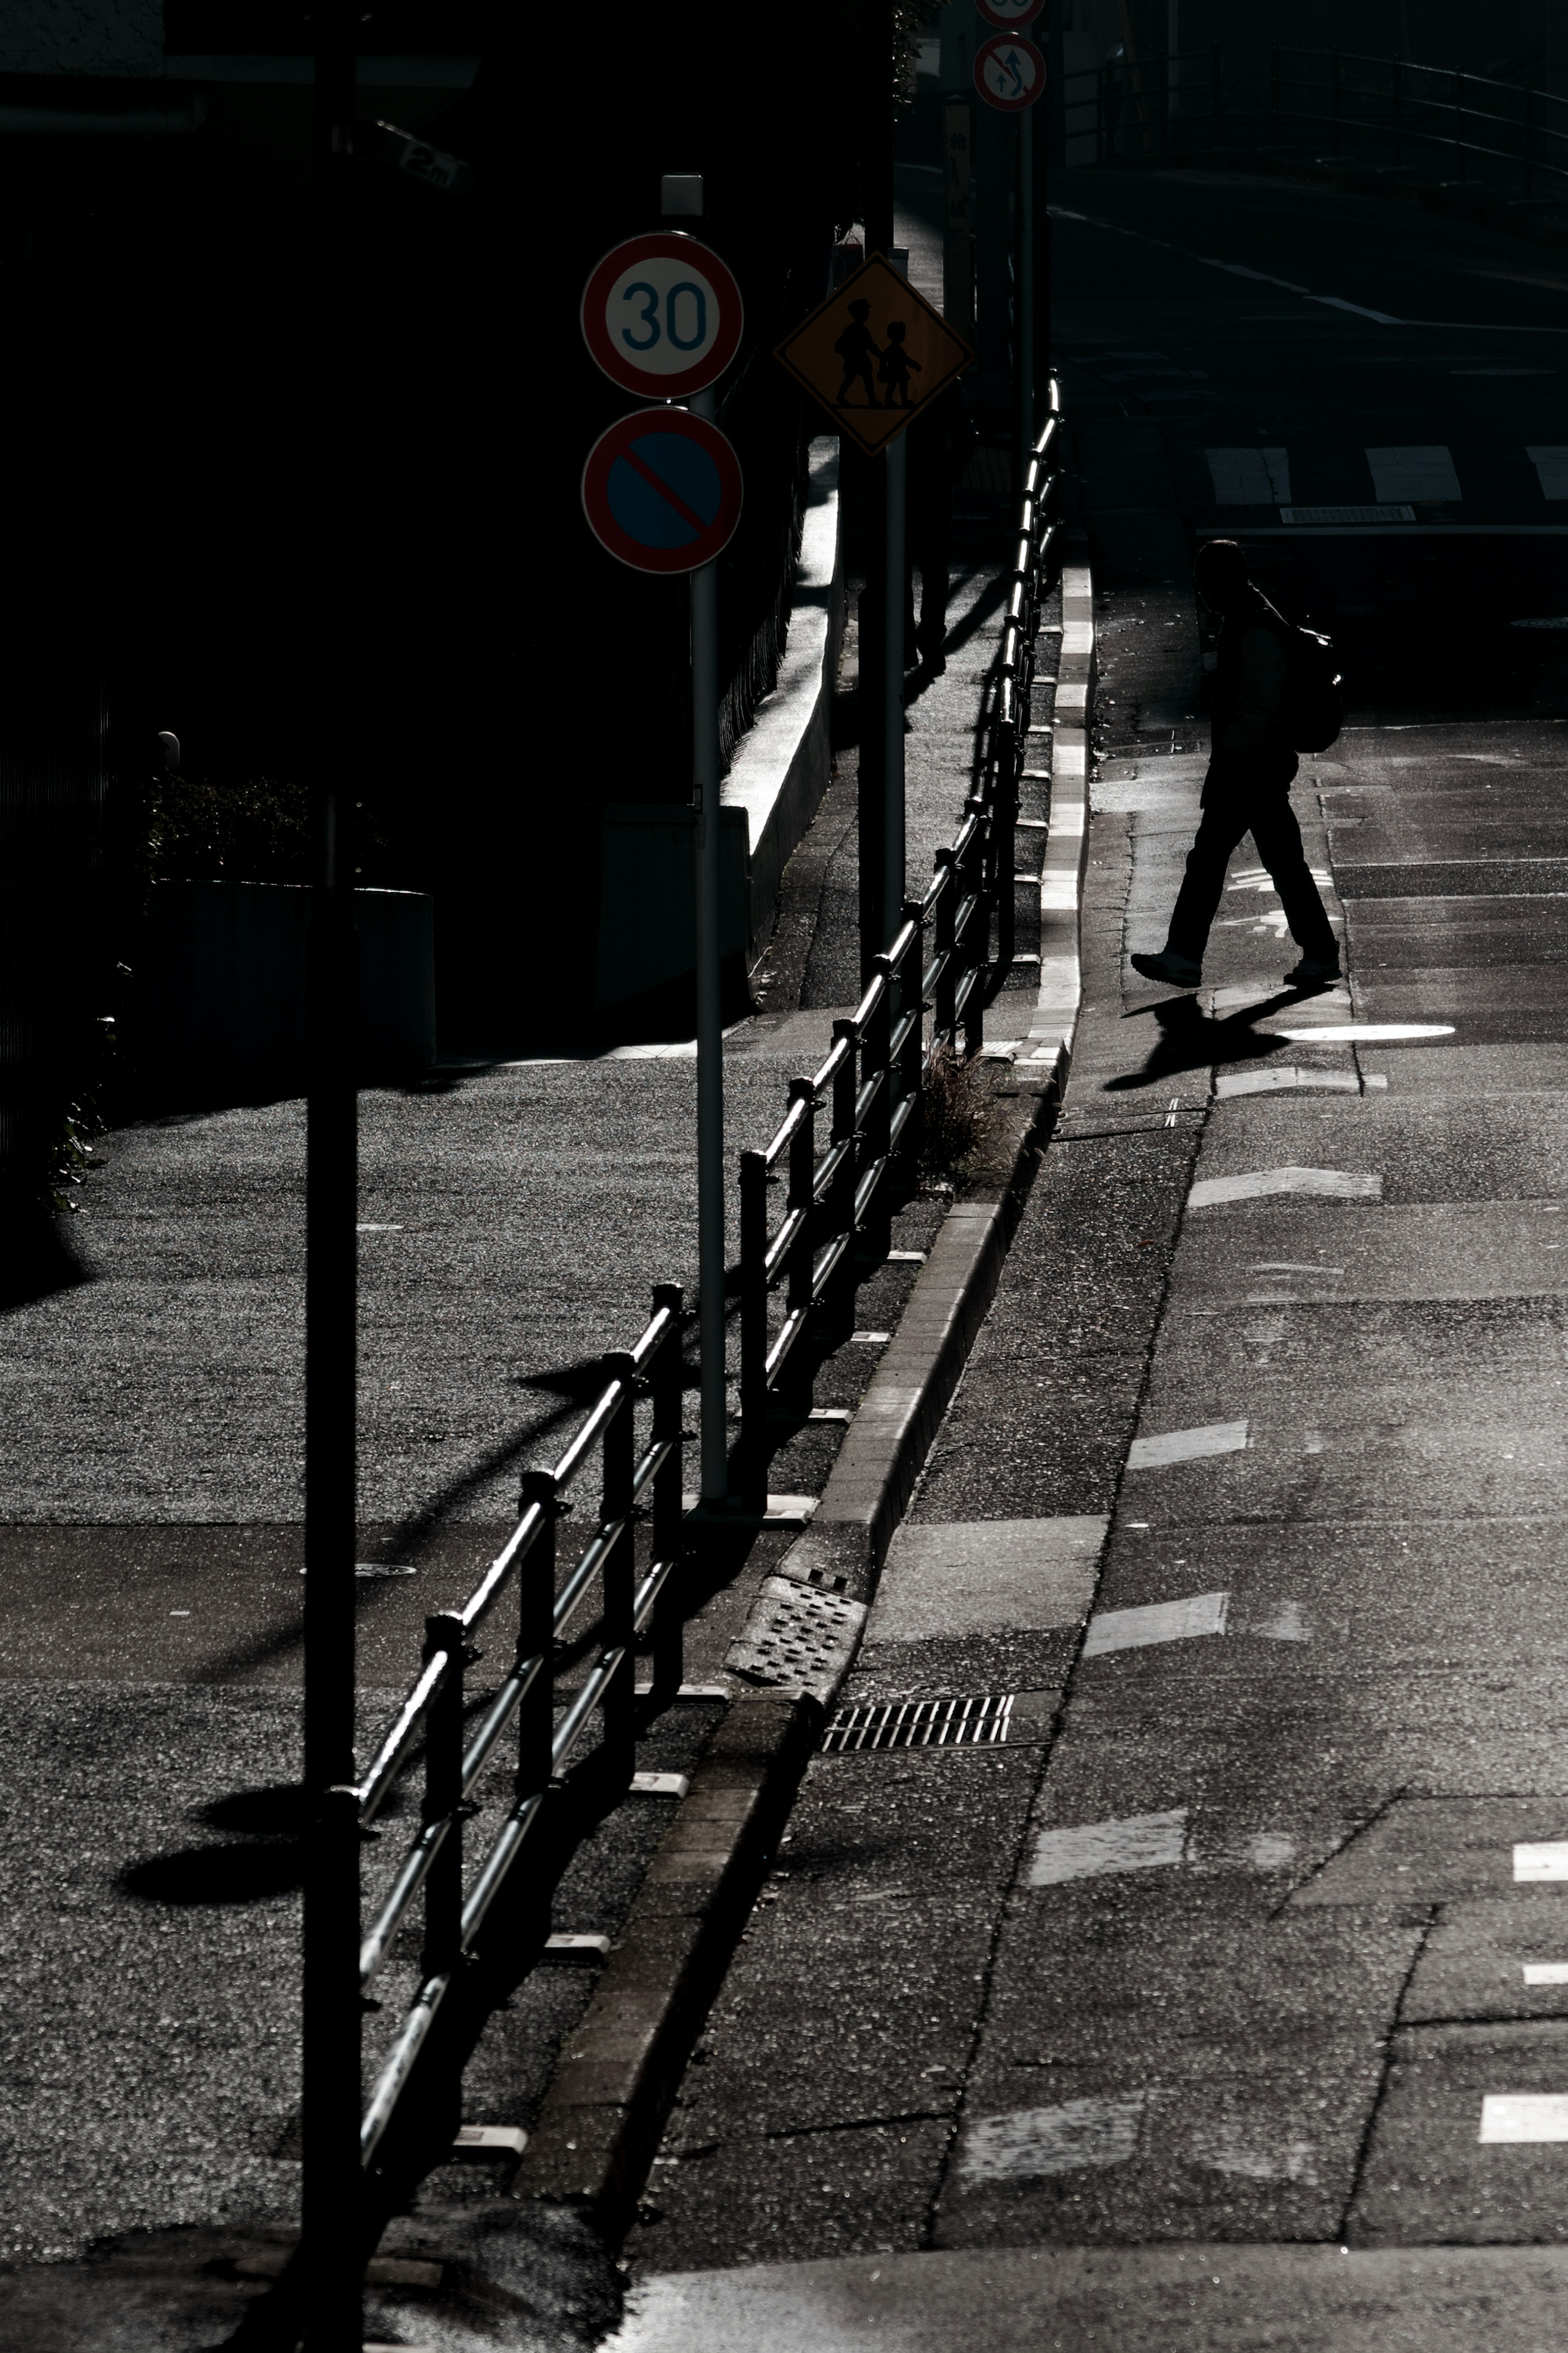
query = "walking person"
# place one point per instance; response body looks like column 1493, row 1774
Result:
column 940, row 443
column 1252, row 765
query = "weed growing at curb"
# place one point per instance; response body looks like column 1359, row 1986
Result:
column 953, row 1098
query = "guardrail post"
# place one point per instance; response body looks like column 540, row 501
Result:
column 668, row 1419
column 619, row 1630
column 911, row 996
column 444, row 1796
column 977, row 935
column 536, row 1639
column 802, row 1176
column 1005, row 803
column 943, row 1012
column 755, row 1330
column 840, row 1203
column 879, row 1225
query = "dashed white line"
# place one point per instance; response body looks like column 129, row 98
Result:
column 1186, row 1445
column 1027, row 2143
column 1319, row 1184
column 1157, row 1622
column 1542, row 1859
column 1524, row 2115
column 1090, row 1850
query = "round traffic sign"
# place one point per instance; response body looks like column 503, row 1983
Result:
column 1009, row 72
column 662, row 490
column 1012, row 13
column 662, row 315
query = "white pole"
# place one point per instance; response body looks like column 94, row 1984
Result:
column 715, row 1434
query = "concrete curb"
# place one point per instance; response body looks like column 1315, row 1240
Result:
column 886, row 1443
column 605, row 2109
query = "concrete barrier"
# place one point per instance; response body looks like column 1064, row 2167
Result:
column 221, row 984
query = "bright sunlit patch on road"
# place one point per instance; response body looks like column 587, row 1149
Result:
column 1365, row 1033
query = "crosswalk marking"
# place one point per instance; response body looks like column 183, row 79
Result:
column 1423, row 471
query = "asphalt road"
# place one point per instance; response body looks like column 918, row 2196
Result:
column 1227, row 2003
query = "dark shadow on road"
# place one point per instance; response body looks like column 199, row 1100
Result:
column 1192, row 1040
column 37, row 1260
column 218, row 1875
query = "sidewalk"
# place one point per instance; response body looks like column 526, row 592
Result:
column 513, row 1218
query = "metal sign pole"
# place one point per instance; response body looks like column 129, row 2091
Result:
column 715, row 1444
column 892, row 892
column 1024, row 295
column 331, row 2216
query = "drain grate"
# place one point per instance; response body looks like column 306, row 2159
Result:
column 922, row 1723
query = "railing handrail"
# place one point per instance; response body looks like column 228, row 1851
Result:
column 872, row 1077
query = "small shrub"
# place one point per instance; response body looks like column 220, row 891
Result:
column 953, row 1101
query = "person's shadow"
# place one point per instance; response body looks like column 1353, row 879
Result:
column 1192, row 1040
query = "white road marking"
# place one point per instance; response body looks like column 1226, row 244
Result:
column 1186, row 1445
column 1258, row 878
column 378, row 1230
column 1364, row 1033
column 1546, row 1973
column 1139, row 1842
column 1287, row 1625
column 1250, row 478
column 1229, row 2148
column 1284, row 1075
column 1027, row 2143
column 1374, row 1079
column 1550, row 459
column 1546, row 1859
column 1270, row 1851
column 1235, row 998
column 1524, row 2115
column 1158, row 1622
column 1298, row 516
column 1321, row 1184
column 1422, row 471
column 1288, row 1266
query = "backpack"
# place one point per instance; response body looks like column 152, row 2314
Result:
column 1313, row 713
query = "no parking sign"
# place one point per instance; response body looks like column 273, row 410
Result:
column 662, row 490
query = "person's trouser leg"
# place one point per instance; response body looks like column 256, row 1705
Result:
column 1219, row 830
column 1279, row 838
column 933, row 555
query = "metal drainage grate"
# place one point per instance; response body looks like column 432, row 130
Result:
column 922, row 1723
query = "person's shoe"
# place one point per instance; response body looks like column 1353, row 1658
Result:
column 934, row 664
column 1175, row 971
column 1314, row 972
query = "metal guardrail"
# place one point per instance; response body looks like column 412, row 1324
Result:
column 1138, row 109
column 871, row 1083
column 926, row 996
column 434, row 1708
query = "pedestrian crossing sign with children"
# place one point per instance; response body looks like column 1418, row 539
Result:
column 874, row 354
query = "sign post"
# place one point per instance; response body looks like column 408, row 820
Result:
column 331, row 2218
column 874, row 354
column 1010, row 75
column 662, row 316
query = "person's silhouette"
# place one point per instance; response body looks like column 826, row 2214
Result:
column 896, row 367
column 856, row 349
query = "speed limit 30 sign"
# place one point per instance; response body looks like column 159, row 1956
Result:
column 662, row 316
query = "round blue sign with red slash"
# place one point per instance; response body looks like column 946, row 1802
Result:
column 662, row 316
column 662, row 490
column 1009, row 72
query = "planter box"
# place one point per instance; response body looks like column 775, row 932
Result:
column 222, row 984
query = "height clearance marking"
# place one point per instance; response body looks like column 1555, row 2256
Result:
column 662, row 316
column 662, row 490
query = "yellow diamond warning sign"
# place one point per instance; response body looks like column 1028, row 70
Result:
column 875, row 353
